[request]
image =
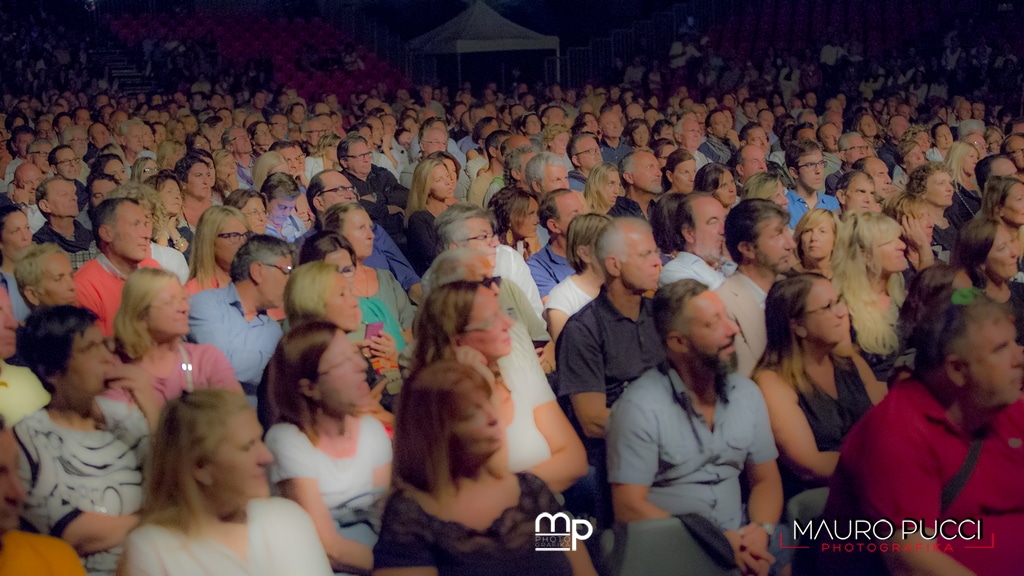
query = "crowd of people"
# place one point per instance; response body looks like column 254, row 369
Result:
column 249, row 333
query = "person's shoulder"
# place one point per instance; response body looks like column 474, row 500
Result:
column 739, row 386
column 285, row 432
column 276, row 509
column 57, row 553
column 651, row 389
column 88, row 270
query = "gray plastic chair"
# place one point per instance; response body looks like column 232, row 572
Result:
column 662, row 547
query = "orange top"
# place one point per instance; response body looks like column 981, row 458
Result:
column 100, row 291
column 25, row 554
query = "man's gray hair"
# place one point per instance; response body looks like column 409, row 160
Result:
column 448, row 267
column 844, row 140
column 225, row 137
column 514, row 161
column 968, row 127
column 451, row 224
column 68, row 133
column 613, row 241
column 536, row 167
column 127, row 125
column 347, row 142
column 260, row 248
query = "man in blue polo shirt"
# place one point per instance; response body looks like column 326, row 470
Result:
column 682, row 435
column 807, row 166
column 549, row 266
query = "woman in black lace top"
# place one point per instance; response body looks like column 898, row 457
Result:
column 456, row 509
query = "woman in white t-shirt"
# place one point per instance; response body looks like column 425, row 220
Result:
column 330, row 455
column 576, row 291
column 207, row 511
column 464, row 319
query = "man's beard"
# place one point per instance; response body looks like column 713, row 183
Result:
column 721, row 368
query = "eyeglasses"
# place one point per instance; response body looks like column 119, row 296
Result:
column 286, row 270
column 490, row 282
column 589, row 152
column 861, row 148
column 70, row 162
column 834, row 306
column 255, row 214
column 813, row 165
column 1015, row 152
column 362, row 156
column 339, row 189
column 235, row 237
column 485, row 237
column 148, row 170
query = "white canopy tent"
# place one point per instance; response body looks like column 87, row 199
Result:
column 481, row 29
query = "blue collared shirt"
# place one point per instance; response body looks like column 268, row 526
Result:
column 292, row 230
column 548, row 269
column 798, row 206
column 216, row 317
column 18, row 305
column 387, row 256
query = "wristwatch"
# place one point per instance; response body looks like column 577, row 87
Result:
column 768, row 527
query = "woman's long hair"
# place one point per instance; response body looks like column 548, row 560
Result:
column 191, row 429
column 854, row 268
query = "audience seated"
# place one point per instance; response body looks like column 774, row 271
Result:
column 888, row 467
column 694, row 404
column 234, row 318
column 149, row 331
column 82, row 454
column 762, row 247
column 207, row 506
column 456, row 504
column 331, row 456
column 381, row 297
column 122, row 236
column 722, row 159
column 23, row 552
column 540, row 437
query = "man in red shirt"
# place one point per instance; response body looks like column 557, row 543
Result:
column 902, row 460
column 123, row 237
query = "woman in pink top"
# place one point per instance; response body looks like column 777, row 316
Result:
column 149, row 330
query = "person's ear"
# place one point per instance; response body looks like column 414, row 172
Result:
column 106, row 233
column 689, row 234
column 31, row 295
column 747, row 250
column 956, row 368
column 203, row 475
column 628, row 178
column 800, row 331
column 677, row 342
column 256, row 270
column 308, row 389
column 44, row 205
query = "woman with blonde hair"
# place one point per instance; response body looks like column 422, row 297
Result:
column 226, row 172
column 766, row 186
column 554, row 138
column 207, row 506
column 912, row 214
column 220, row 233
column 576, row 291
column 331, row 456
column 867, row 266
column 149, row 331
column 143, row 168
column 431, row 193
column 932, row 184
column 168, row 153
column 960, row 163
column 815, row 236
column 813, row 394
column 604, row 189
column 268, row 164
column 173, row 231
column 457, row 506
column 323, row 156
